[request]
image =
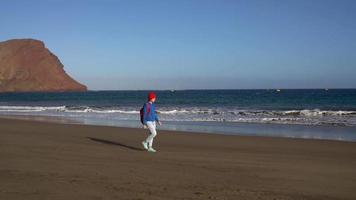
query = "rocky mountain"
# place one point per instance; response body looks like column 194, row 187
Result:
column 26, row 65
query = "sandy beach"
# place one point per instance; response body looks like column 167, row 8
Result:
column 42, row 160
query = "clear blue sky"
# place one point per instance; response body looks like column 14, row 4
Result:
column 186, row 44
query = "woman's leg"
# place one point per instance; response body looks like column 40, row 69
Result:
column 152, row 127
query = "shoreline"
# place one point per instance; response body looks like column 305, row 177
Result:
column 73, row 121
column 44, row 160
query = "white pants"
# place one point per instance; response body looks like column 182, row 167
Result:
column 152, row 127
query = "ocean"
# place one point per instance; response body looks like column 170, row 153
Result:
column 315, row 114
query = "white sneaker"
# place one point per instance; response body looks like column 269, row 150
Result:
column 151, row 149
column 144, row 144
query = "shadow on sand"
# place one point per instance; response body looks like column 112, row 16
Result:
column 114, row 143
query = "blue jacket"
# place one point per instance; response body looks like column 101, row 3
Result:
column 149, row 112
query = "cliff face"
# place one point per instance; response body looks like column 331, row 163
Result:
column 26, row 65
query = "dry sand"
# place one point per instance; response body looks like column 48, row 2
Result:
column 40, row 160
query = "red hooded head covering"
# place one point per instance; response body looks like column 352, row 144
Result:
column 151, row 95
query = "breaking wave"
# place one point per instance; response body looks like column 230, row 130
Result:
column 304, row 117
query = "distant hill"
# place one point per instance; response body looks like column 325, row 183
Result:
column 26, row 65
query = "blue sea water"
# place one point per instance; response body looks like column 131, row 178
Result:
column 322, row 114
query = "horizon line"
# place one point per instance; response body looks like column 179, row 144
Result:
column 224, row 89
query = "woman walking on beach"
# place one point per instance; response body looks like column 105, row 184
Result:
column 149, row 119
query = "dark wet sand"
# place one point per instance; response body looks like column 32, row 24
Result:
column 40, row 160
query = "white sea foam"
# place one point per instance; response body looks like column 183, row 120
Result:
column 30, row 108
column 86, row 109
column 306, row 116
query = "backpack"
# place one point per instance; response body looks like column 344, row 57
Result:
column 148, row 108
